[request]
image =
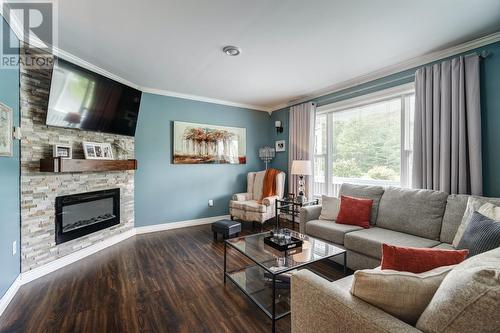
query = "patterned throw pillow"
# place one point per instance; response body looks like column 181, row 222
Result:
column 482, row 234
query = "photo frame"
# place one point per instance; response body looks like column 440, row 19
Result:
column 97, row 151
column 62, row 151
column 280, row 146
column 6, row 140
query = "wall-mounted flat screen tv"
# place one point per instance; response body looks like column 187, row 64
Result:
column 82, row 99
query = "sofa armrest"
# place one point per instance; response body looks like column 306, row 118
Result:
column 307, row 214
column 241, row 197
column 322, row 306
column 269, row 201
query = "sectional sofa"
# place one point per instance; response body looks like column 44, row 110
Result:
column 418, row 218
column 402, row 217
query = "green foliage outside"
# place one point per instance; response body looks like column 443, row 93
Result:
column 368, row 146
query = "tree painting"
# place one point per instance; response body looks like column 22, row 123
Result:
column 198, row 143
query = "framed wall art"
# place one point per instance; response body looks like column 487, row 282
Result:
column 280, row 146
column 6, row 144
column 208, row 144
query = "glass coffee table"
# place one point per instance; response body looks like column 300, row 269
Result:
column 264, row 275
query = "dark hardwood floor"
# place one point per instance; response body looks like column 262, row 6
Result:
column 169, row 281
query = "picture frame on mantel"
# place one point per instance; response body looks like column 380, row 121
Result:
column 62, row 151
column 6, row 140
column 97, row 151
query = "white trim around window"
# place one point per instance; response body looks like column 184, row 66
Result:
column 330, row 185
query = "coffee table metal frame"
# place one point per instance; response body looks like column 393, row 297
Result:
column 272, row 315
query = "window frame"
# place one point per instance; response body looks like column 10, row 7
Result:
column 401, row 91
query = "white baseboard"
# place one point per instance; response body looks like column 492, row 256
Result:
column 52, row 266
column 9, row 294
column 73, row 257
column 180, row 224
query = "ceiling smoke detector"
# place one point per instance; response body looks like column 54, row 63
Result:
column 231, row 50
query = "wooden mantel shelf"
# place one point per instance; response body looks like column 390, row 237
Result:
column 58, row 164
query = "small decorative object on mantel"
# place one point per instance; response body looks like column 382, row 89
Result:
column 280, row 146
column 121, row 149
column 266, row 154
column 97, row 151
column 62, row 151
column 6, row 147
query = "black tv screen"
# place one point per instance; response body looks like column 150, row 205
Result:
column 85, row 100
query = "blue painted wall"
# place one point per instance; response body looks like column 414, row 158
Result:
column 9, row 184
column 165, row 192
column 490, row 108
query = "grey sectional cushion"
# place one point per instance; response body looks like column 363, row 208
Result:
column 455, row 209
column 369, row 241
column 366, row 192
column 444, row 246
column 329, row 230
column 416, row 212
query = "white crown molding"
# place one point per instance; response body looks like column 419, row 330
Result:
column 9, row 294
column 176, row 225
column 380, row 73
column 203, row 99
column 396, row 68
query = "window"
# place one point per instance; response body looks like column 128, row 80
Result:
column 365, row 140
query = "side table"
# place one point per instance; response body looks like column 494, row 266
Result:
column 292, row 207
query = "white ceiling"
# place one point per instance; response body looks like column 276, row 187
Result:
column 290, row 48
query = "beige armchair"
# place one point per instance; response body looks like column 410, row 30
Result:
column 245, row 206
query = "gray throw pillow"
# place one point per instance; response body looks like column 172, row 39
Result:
column 482, row 234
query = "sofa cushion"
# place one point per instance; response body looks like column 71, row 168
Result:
column 365, row 192
column 415, row 212
column 355, row 211
column 482, row 234
column 454, row 213
column 473, row 204
column 330, row 207
column 444, row 246
column 417, row 259
column 329, row 230
column 369, row 241
column 467, row 299
column 384, row 288
column 249, row 205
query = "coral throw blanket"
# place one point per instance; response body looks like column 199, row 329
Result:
column 269, row 186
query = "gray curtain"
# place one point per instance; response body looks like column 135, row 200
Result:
column 447, row 132
column 301, row 142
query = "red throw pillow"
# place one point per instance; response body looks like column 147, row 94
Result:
column 418, row 260
column 355, row 211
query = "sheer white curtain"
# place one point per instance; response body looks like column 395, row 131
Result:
column 447, row 135
column 301, row 142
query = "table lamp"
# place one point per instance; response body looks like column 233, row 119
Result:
column 301, row 168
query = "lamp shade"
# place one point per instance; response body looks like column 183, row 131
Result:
column 301, row 167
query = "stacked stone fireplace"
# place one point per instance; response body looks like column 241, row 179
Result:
column 39, row 190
